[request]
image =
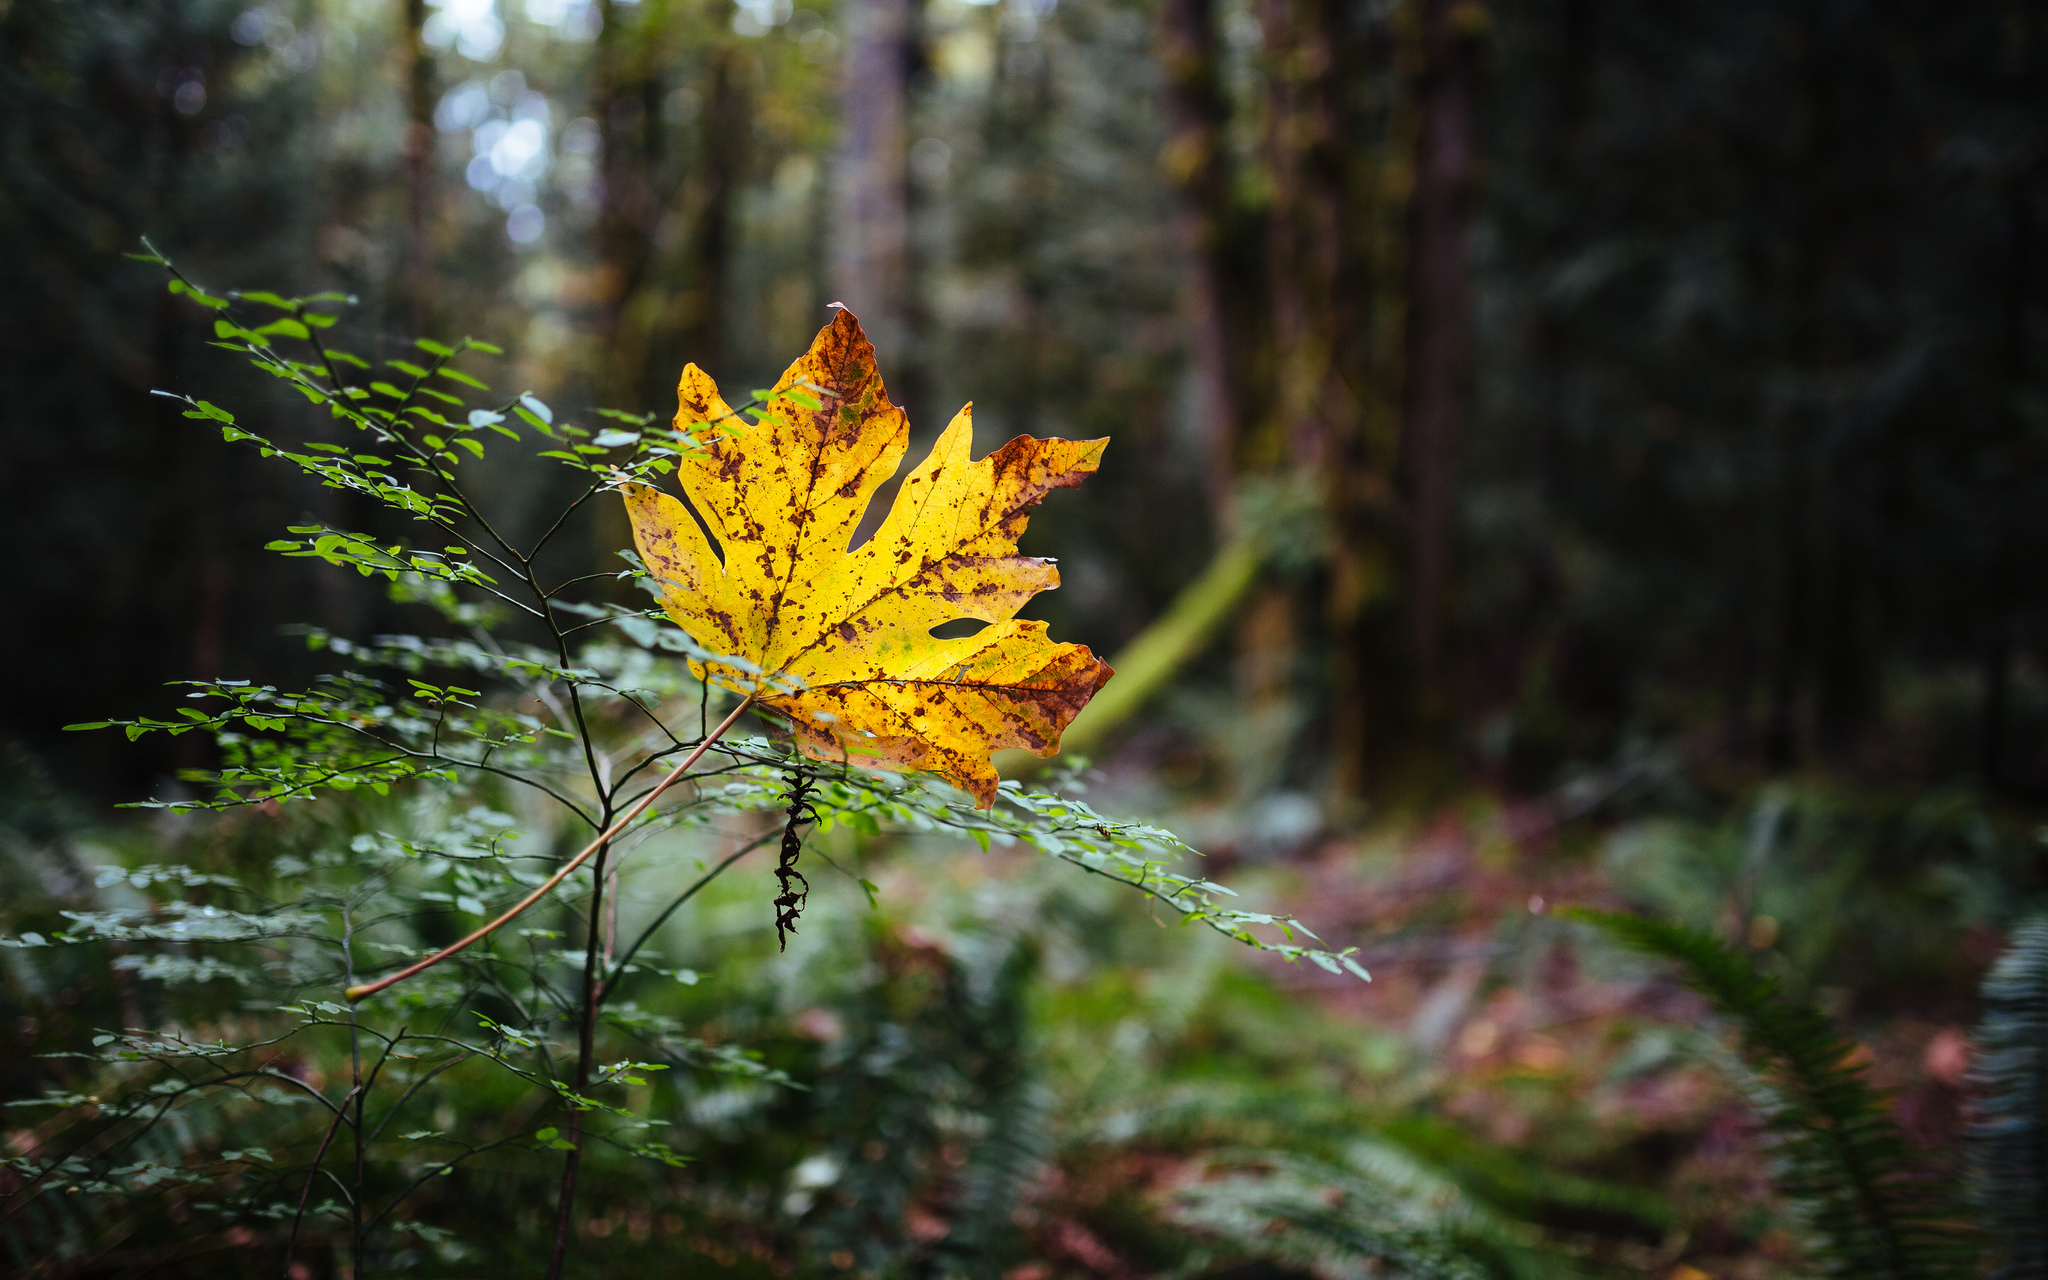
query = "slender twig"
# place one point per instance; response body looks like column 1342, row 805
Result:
column 436, row 1172
column 620, row 968
column 291, row 1241
column 547, row 886
column 586, row 1048
column 675, row 743
column 378, row 1131
column 355, row 1054
column 560, row 587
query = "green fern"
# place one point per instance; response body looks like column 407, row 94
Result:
column 1372, row 1210
column 1843, row 1162
column 1303, row 1178
column 2009, row 1136
column 1009, row 1094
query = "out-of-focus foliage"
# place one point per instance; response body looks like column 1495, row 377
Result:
column 1864, row 890
column 2010, row 1130
column 1758, row 443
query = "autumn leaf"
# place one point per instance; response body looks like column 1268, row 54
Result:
column 840, row 641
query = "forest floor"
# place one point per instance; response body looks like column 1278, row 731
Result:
column 1532, row 1037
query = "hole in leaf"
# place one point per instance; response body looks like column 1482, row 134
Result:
column 717, row 548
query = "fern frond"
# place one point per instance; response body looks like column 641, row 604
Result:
column 1519, row 1187
column 1317, row 1215
column 1843, row 1161
column 2008, row 1135
column 1014, row 1100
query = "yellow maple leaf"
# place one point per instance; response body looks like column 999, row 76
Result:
column 839, row 640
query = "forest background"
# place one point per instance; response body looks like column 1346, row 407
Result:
column 1561, row 450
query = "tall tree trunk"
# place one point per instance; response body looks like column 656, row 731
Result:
column 1348, row 439
column 1320, row 231
column 1315, row 265
column 417, row 147
column 1281, row 308
column 701, row 332
column 870, row 234
column 1793, row 585
column 1439, row 218
column 626, row 99
column 1196, row 160
column 1999, row 578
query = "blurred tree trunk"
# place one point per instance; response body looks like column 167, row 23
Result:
column 1560, row 160
column 1326, row 141
column 417, row 147
column 2000, row 596
column 1439, row 220
column 1314, row 269
column 666, row 227
column 725, row 119
column 1354, row 216
column 628, row 208
column 1292, row 375
column 1197, row 161
column 870, row 230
